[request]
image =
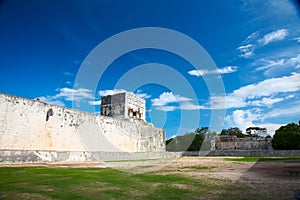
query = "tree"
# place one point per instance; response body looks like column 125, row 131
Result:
column 256, row 132
column 287, row 137
column 233, row 131
column 189, row 141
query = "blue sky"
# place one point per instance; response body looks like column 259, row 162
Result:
column 255, row 46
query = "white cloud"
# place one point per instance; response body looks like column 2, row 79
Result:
column 287, row 111
column 117, row 91
column 142, row 95
column 258, row 100
column 70, row 94
column 280, row 65
column 166, row 98
column 227, row 69
column 249, row 118
column 271, row 128
column 49, row 99
column 167, row 108
column 190, row 106
column 241, row 118
column 251, row 43
column 95, row 103
column 110, row 92
column 252, row 37
column 265, row 101
column 247, row 50
column 173, row 136
column 270, row 87
column 294, row 61
column 224, row 102
column 202, row 72
column 297, row 39
column 274, row 36
column 270, row 63
column 259, row 94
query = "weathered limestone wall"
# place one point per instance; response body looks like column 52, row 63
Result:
column 27, row 124
column 17, row 156
column 135, row 104
column 234, row 143
column 243, row 153
column 255, row 153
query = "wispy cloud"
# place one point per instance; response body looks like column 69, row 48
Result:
column 68, row 94
column 202, row 72
column 252, row 37
column 166, row 101
column 166, row 98
column 138, row 93
column 266, row 64
column 297, row 39
column 49, row 99
column 289, row 110
column 252, row 42
column 263, row 93
column 167, row 108
column 249, row 118
column 110, row 92
column 95, row 103
column 246, row 51
column 190, row 106
column 287, row 63
column 257, row 117
column 142, row 95
column 274, row 36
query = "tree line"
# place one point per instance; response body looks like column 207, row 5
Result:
column 285, row 138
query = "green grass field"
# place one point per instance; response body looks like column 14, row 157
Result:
column 98, row 183
column 95, row 183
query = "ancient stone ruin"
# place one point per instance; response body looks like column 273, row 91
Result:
column 228, row 142
column 123, row 105
column 32, row 130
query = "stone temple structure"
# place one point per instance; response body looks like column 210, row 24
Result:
column 123, row 105
column 32, row 130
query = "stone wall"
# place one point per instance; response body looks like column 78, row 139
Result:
column 256, row 153
column 244, row 153
column 135, row 106
column 27, row 124
column 123, row 105
column 113, row 105
column 233, row 143
column 17, row 156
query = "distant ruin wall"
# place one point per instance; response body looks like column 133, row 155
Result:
column 244, row 153
column 225, row 142
column 27, row 124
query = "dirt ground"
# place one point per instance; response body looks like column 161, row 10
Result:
column 256, row 180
